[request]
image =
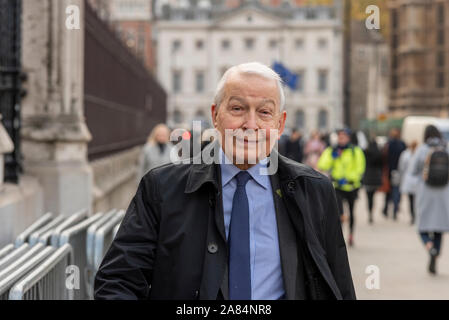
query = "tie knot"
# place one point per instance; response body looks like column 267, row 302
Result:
column 243, row 178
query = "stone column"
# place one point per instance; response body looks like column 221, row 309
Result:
column 54, row 131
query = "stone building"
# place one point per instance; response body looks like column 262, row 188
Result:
column 369, row 92
column 89, row 107
column 419, row 42
column 196, row 44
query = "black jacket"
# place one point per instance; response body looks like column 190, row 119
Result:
column 374, row 165
column 171, row 244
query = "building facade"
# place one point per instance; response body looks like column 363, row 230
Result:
column 197, row 45
column 132, row 21
column 419, row 45
column 369, row 92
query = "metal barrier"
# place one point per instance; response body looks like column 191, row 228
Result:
column 52, row 236
column 13, row 255
column 48, row 280
column 23, row 237
column 76, row 237
column 104, row 238
column 90, row 250
column 11, row 279
column 34, row 237
column 6, row 250
column 90, row 241
column 21, row 260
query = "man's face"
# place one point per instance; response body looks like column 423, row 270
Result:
column 249, row 110
column 343, row 138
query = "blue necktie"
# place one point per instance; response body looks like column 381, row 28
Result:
column 239, row 252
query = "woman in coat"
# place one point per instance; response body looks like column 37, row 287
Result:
column 408, row 180
column 372, row 180
column 432, row 203
column 157, row 150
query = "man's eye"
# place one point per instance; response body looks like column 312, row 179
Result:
column 265, row 113
column 236, row 108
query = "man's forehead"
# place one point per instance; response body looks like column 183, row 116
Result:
column 241, row 85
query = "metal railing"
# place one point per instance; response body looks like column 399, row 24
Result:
column 35, row 266
column 76, row 236
column 48, row 280
column 6, row 250
column 11, row 279
column 14, row 255
column 104, row 238
column 23, row 237
column 70, row 221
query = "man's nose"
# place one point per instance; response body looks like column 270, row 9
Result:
column 250, row 121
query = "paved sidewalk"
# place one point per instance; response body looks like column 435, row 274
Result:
column 395, row 247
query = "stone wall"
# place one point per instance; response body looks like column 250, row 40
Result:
column 115, row 180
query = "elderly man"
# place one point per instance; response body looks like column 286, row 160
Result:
column 228, row 230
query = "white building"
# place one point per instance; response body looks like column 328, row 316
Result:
column 196, row 45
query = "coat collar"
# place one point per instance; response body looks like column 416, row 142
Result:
column 204, row 173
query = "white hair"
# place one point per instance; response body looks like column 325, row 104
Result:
column 255, row 68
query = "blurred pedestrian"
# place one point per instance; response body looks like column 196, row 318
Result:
column 313, row 149
column 372, row 178
column 431, row 166
column 408, row 180
column 346, row 165
column 393, row 149
column 157, row 150
column 294, row 146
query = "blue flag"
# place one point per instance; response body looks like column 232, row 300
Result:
column 289, row 78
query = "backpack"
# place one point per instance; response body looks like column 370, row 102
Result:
column 436, row 167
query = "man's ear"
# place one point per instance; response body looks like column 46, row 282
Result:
column 214, row 112
column 282, row 120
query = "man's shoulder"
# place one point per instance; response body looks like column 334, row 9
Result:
column 295, row 169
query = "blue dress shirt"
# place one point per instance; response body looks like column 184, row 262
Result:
column 266, row 272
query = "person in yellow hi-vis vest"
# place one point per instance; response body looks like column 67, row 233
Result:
column 345, row 164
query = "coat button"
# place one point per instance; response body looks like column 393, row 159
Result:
column 212, row 248
column 291, row 186
column 197, row 294
column 211, row 203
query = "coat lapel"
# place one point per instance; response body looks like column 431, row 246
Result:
column 287, row 242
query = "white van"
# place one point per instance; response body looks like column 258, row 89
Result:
column 414, row 126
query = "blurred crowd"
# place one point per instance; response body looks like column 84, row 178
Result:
column 354, row 163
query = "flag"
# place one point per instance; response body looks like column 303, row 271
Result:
column 289, row 78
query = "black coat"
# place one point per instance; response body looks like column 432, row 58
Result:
column 374, row 165
column 171, row 244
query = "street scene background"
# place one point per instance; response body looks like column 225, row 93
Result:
column 92, row 90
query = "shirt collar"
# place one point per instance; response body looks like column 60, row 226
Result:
column 229, row 171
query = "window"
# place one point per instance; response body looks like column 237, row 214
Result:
column 177, row 81
column 322, row 43
column 199, row 44
column 322, row 120
column 199, row 81
column 440, row 59
column 440, row 80
column 441, row 37
column 225, row 44
column 300, row 119
column 176, row 45
column 395, row 41
column 322, row 80
column 223, row 71
column 394, row 18
column 177, row 116
column 272, row 44
column 299, row 44
column 301, row 80
column 249, row 43
column 440, row 13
